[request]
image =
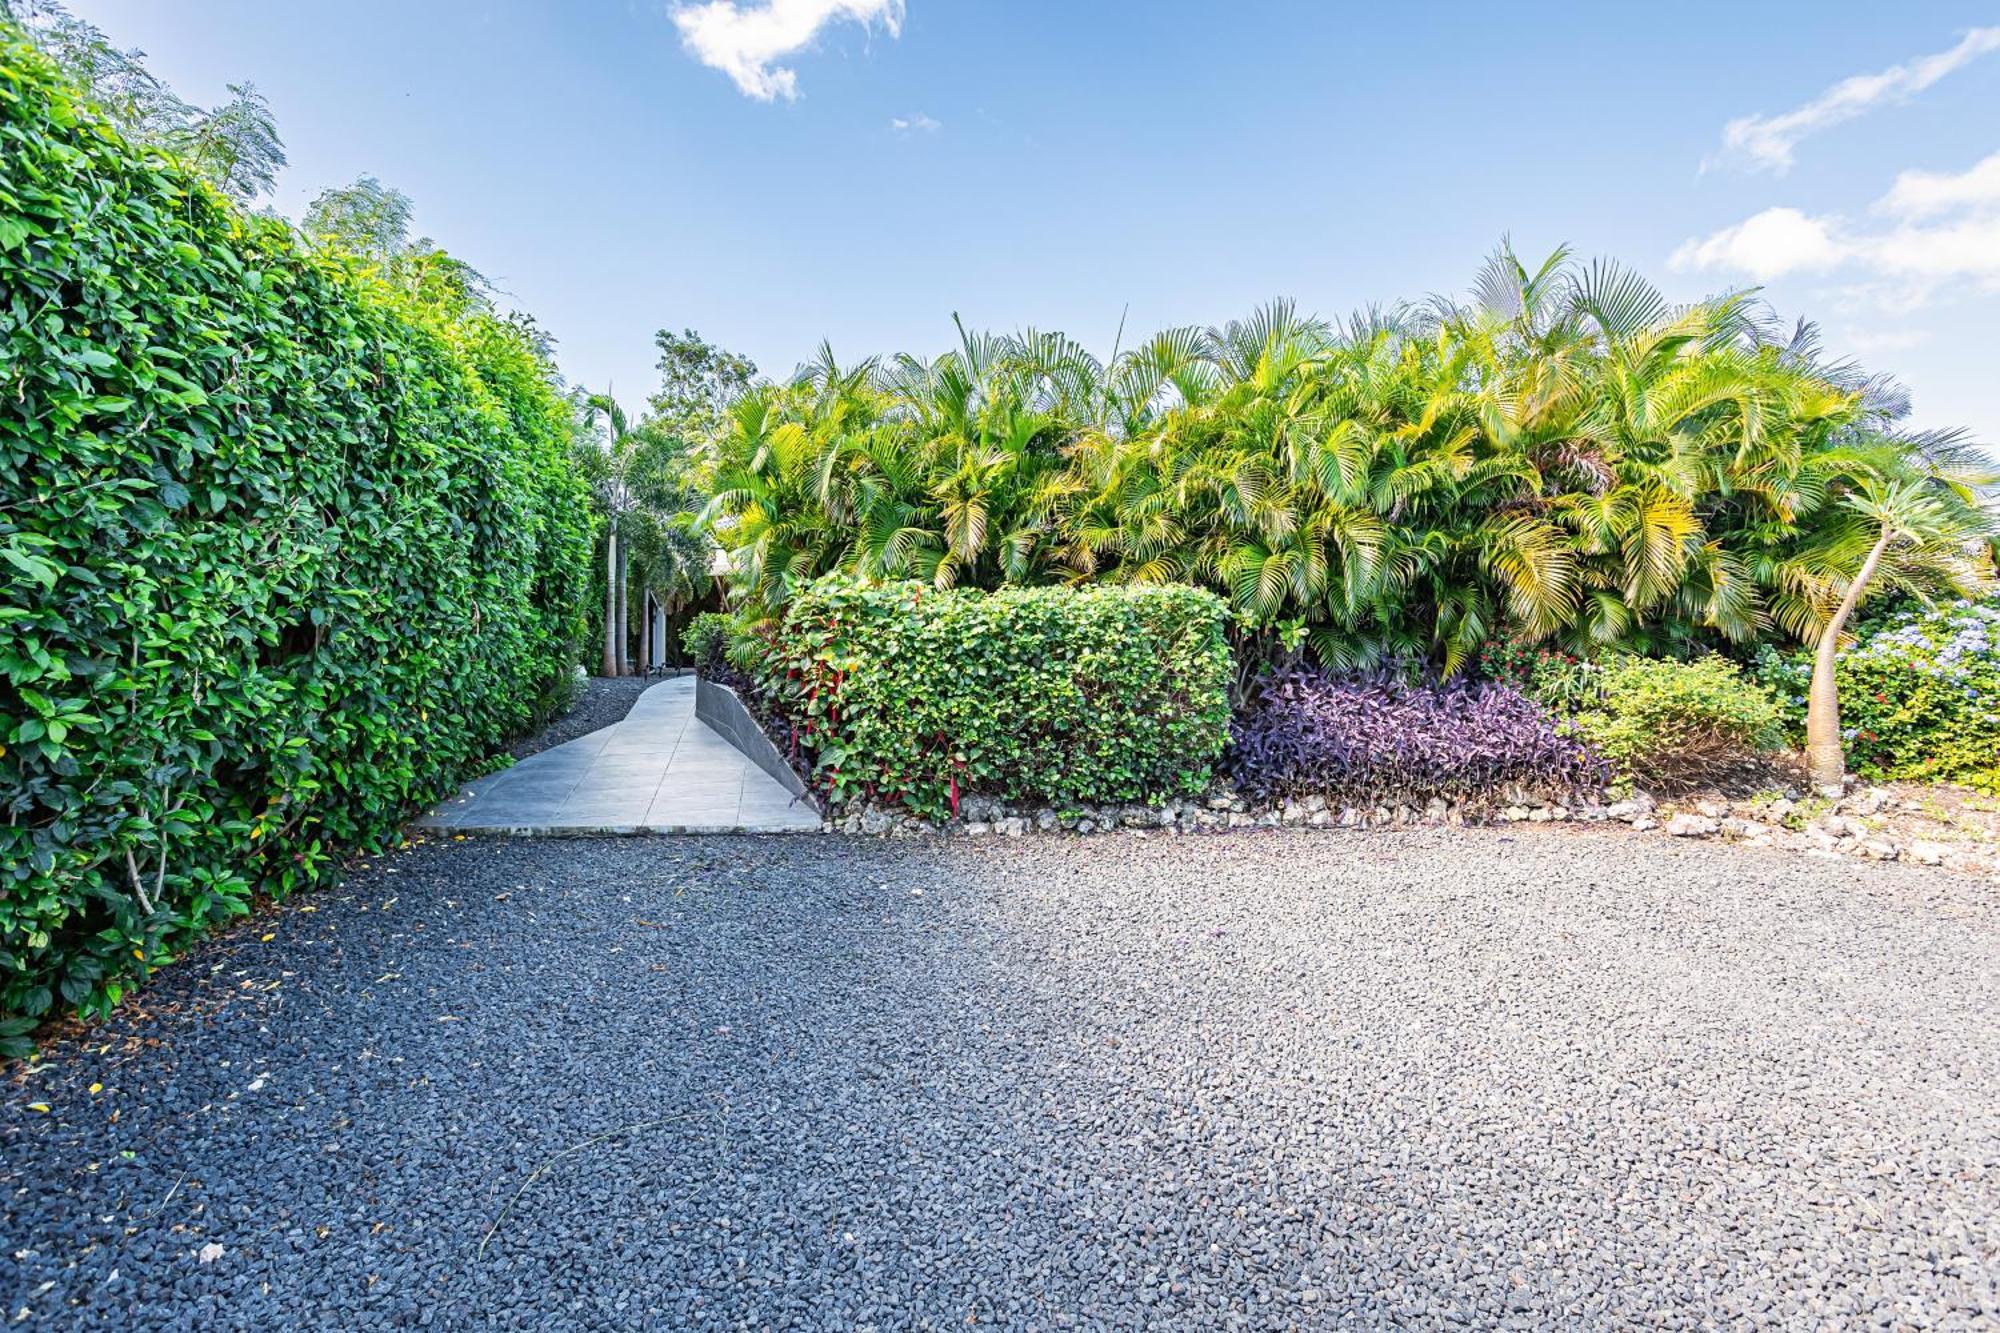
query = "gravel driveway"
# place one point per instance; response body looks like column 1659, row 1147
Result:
column 1452, row 1078
column 603, row 701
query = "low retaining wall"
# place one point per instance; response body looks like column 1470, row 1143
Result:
column 718, row 706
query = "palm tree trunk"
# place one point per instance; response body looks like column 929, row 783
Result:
column 624, row 625
column 645, row 631
column 609, row 667
column 1826, row 761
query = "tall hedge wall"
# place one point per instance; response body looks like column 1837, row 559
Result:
column 282, row 553
column 908, row 694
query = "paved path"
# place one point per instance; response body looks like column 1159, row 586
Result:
column 661, row 770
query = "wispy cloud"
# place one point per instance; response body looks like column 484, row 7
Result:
column 1928, row 230
column 915, row 123
column 746, row 41
column 1765, row 143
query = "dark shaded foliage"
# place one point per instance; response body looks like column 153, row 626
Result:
column 1378, row 736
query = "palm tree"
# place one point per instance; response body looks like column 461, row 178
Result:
column 615, row 495
column 1564, row 456
column 662, row 547
column 1928, row 518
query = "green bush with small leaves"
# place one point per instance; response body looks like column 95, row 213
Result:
column 1919, row 693
column 707, row 638
column 911, row 695
column 1677, row 724
column 283, row 553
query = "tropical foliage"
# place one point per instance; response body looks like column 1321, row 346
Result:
column 1669, row 724
column 1563, row 458
column 1919, row 693
column 643, row 479
column 284, row 550
column 910, row 695
column 1381, row 737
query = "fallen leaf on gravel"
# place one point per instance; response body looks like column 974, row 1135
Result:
column 208, row 1253
column 267, row 937
column 43, row 1107
column 96, row 1088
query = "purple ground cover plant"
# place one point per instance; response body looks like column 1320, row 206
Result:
column 1380, row 736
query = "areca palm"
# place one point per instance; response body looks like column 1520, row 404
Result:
column 1565, row 456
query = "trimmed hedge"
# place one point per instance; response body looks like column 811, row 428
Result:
column 282, row 552
column 908, row 694
column 706, row 639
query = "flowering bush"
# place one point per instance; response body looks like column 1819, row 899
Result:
column 1919, row 694
column 1560, row 682
column 1380, row 737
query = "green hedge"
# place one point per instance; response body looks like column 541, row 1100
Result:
column 282, row 553
column 908, row 694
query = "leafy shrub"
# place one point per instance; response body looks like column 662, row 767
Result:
column 1560, row 682
column 1381, row 737
column 1919, row 694
column 909, row 694
column 1678, row 724
column 706, row 640
column 282, row 552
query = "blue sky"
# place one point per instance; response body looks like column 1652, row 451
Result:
column 619, row 166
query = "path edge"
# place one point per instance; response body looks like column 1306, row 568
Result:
column 719, row 707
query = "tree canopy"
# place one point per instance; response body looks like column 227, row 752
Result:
column 1561, row 456
column 234, row 146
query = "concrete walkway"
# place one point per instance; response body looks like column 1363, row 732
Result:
column 661, row 770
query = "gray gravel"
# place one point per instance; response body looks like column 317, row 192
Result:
column 1448, row 1078
column 603, row 702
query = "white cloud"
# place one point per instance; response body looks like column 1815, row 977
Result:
column 1766, row 142
column 1941, row 228
column 746, row 41
column 1921, row 194
column 916, row 123
column 1774, row 242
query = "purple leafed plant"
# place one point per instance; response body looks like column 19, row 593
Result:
column 1379, row 737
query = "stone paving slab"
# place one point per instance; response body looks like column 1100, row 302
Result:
column 661, row 770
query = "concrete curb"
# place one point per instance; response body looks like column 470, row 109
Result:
column 553, row 831
column 724, row 713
